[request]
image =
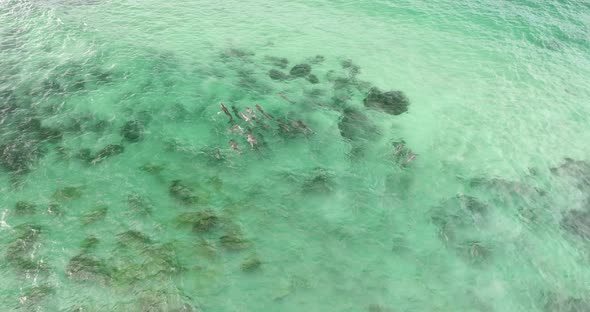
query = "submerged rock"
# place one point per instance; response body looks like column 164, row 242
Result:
column 34, row 127
column 132, row 131
column 34, row 295
column 237, row 53
column 50, row 134
column 575, row 169
column 504, row 186
column 67, row 193
column 20, row 154
column 133, row 236
column 379, row 308
column 317, row 59
column 353, row 69
column 87, row 268
column 391, row 102
column 577, row 222
column 137, row 203
column 355, row 125
column 459, row 215
column 234, row 241
column 152, row 168
column 25, row 208
column 251, row 264
column 313, row 79
column 99, row 213
column 201, row 221
column 30, row 125
column 475, row 252
column 182, row 192
column 85, row 154
column 89, row 243
column 555, row 303
column 300, row 70
column 18, row 253
column 108, row 151
column 320, row 183
column 277, row 61
column 277, row 75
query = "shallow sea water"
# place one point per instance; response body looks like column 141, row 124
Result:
column 119, row 190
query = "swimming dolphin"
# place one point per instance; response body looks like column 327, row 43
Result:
column 259, row 108
column 246, row 118
column 235, row 110
column 234, row 146
column 411, row 158
column 251, row 113
column 283, row 125
column 237, row 128
column 301, row 126
column 252, row 140
column 263, row 112
column 398, row 150
column 226, row 111
column 286, row 98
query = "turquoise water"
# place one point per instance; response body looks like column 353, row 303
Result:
column 120, row 190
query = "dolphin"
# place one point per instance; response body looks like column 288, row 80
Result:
column 252, row 140
column 235, row 110
column 234, row 146
column 226, row 111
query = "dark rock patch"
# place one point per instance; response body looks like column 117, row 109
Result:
column 317, row 59
column 182, row 192
column 67, row 193
column 300, row 70
column 354, row 125
column 19, row 154
column 87, row 268
column 132, row 131
column 97, row 214
column 251, row 264
column 577, row 222
column 391, row 102
column 277, row 61
column 313, row 79
column 277, row 75
column 108, row 151
column 200, row 221
column 25, row 208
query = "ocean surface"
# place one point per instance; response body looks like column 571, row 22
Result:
column 405, row 155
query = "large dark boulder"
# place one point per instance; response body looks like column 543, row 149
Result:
column 300, row 70
column 391, row 102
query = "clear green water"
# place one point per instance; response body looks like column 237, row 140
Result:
column 498, row 92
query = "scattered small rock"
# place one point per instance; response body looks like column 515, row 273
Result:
column 313, row 79
column 277, row 75
column 251, row 264
column 67, row 193
column 277, row 61
column 132, row 131
column 182, row 192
